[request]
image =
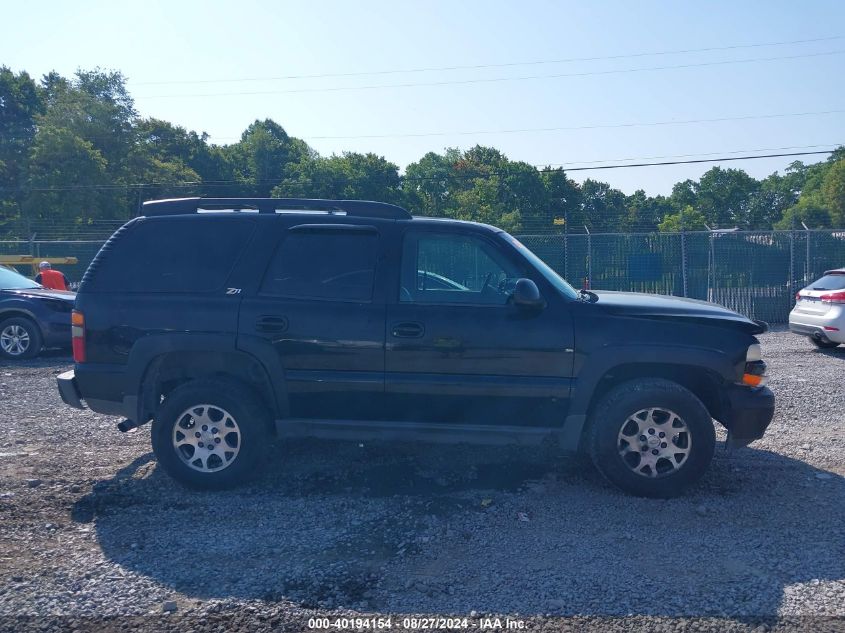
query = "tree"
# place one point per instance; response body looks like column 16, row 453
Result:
column 20, row 103
column 263, row 156
column 348, row 176
column 604, row 207
column 687, row 219
column 833, row 192
column 429, row 182
column 771, row 200
column 724, row 197
column 58, row 160
column 563, row 200
column 644, row 213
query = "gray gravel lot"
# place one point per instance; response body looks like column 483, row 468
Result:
column 90, row 529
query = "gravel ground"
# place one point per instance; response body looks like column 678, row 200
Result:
column 93, row 535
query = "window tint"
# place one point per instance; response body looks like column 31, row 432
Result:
column 193, row 254
column 454, row 269
column 324, row 265
column 829, row 282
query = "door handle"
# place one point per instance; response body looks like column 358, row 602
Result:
column 408, row 329
column 271, row 323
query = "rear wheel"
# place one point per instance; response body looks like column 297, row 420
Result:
column 211, row 433
column 19, row 338
column 823, row 344
column 651, row 437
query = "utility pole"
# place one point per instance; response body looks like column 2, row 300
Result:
column 807, row 270
column 683, row 253
column 589, row 278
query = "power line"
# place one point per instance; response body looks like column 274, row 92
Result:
column 700, row 160
column 578, row 127
column 486, row 66
column 544, row 169
column 456, row 82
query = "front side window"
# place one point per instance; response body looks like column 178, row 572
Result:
column 441, row 268
column 322, row 265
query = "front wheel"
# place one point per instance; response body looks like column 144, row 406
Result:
column 19, row 338
column 211, row 433
column 651, row 437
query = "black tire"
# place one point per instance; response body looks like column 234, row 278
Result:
column 821, row 344
column 210, row 397
column 613, row 413
column 35, row 341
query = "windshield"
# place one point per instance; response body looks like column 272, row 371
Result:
column 10, row 280
column 543, row 268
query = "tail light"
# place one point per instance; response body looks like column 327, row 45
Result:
column 797, row 297
column 833, row 297
column 77, row 330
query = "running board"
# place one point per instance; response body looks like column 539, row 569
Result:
column 424, row 432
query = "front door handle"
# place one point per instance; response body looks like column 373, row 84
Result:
column 408, row 329
column 271, row 323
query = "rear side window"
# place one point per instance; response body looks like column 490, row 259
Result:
column 193, row 254
column 324, row 265
column 829, row 282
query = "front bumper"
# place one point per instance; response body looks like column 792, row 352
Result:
column 69, row 390
column 748, row 413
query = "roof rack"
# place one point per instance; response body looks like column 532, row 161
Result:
column 360, row 208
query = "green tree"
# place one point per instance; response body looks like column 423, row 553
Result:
column 644, row 212
column 833, row 192
column 687, row 219
column 724, row 197
column 348, row 176
column 429, row 183
column 563, row 200
column 20, row 104
column 262, row 157
column 604, row 207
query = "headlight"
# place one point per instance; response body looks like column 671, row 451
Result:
column 754, row 374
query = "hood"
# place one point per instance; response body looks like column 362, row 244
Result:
column 40, row 293
column 636, row 304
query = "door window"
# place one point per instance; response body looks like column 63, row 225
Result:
column 440, row 268
column 323, row 265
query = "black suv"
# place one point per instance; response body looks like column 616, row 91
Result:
column 227, row 320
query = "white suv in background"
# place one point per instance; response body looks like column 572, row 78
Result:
column 819, row 310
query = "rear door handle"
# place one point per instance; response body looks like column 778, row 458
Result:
column 270, row 323
column 408, row 329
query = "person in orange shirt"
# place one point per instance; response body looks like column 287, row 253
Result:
column 49, row 278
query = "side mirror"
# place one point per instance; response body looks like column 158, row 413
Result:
column 527, row 295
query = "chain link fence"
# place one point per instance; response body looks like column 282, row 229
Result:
column 756, row 273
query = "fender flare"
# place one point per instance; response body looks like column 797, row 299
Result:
column 146, row 350
column 598, row 363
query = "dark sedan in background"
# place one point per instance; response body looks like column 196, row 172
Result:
column 31, row 317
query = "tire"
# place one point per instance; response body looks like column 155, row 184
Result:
column 823, row 344
column 647, row 404
column 20, row 338
column 237, row 422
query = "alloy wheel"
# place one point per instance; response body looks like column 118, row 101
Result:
column 654, row 442
column 206, row 438
column 14, row 340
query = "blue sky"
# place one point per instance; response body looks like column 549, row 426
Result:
column 176, row 42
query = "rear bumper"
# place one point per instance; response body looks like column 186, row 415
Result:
column 101, row 388
column 748, row 413
column 817, row 332
column 69, row 390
